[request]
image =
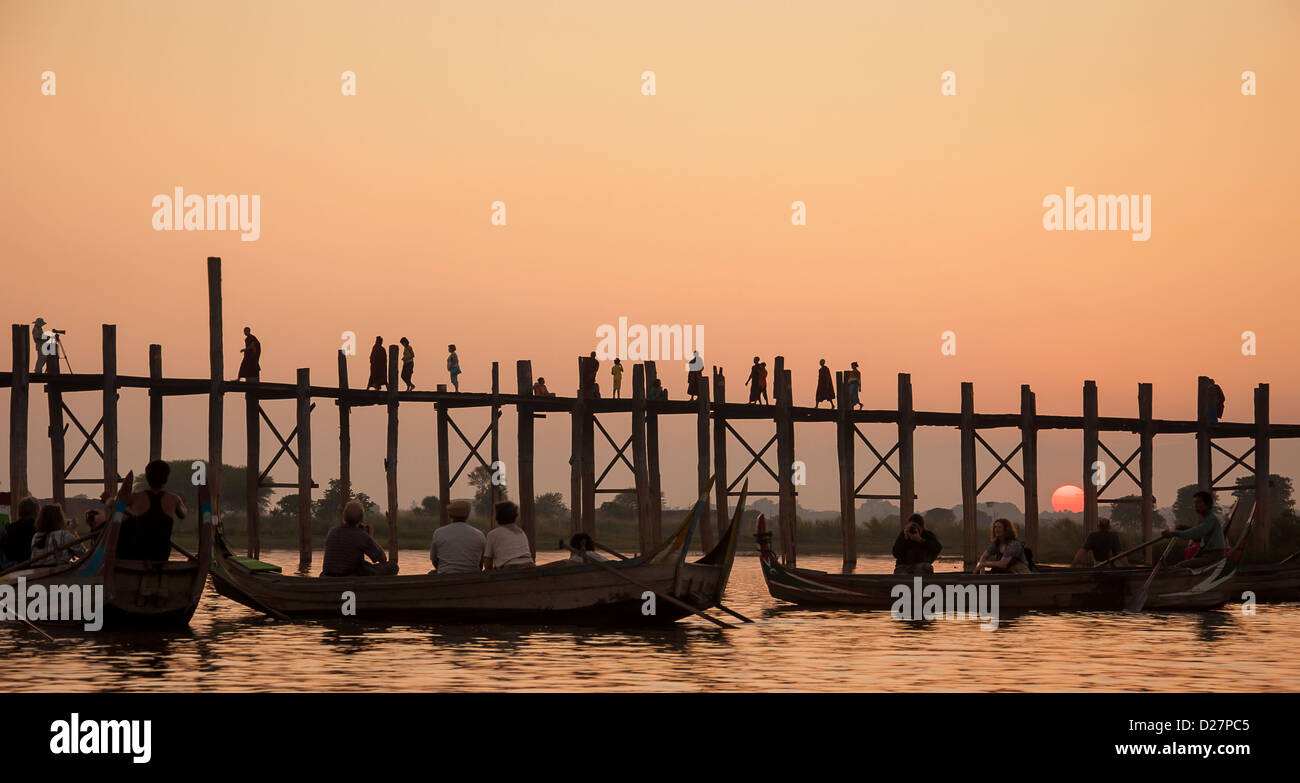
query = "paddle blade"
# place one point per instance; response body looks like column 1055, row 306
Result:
column 1137, row 602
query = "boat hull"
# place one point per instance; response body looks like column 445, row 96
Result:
column 577, row 594
column 658, row 588
column 136, row 595
column 1066, row 589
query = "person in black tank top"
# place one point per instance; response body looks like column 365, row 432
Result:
column 148, row 535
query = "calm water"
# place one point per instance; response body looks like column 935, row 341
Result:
column 230, row 648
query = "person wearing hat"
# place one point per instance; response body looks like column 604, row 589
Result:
column 47, row 360
column 457, row 546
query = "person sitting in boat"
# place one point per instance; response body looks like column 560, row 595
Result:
column 507, row 543
column 349, row 543
column 916, row 548
column 1209, row 530
column 582, row 549
column 1005, row 554
column 457, row 546
column 16, row 537
column 1099, row 546
column 146, row 532
column 51, row 542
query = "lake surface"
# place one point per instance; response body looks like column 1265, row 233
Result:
column 231, row 648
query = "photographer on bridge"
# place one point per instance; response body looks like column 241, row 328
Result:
column 47, row 347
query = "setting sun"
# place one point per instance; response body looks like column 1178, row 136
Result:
column 1068, row 497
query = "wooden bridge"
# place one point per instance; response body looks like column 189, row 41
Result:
column 714, row 433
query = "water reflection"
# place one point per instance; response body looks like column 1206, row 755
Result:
column 230, row 648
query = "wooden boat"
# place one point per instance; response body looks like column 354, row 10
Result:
column 1055, row 589
column 1271, row 583
column 614, row 593
column 136, row 593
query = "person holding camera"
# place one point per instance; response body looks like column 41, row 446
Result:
column 47, row 346
column 916, row 548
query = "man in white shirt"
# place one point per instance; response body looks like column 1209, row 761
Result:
column 457, row 546
column 507, row 543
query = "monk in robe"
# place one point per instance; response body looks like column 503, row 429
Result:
column 694, row 377
column 755, row 381
column 590, row 368
column 825, row 386
column 250, row 368
column 378, row 365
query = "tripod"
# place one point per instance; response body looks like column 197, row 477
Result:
column 64, row 351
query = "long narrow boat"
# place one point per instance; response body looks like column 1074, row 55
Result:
column 135, row 593
column 1270, row 583
column 623, row 592
column 1066, row 588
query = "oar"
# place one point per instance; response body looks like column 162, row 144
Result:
column 1128, row 552
column 48, row 554
column 731, row 612
column 1289, row 557
column 734, row 613
column 1139, row 599
column 32, row 625
column 670, row 599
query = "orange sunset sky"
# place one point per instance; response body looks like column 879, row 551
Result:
column 924, row 211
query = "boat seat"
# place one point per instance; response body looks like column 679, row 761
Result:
column 256, row 566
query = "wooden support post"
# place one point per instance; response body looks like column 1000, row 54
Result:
column 785, row 462
column 906, row 452
column 58, row 456
column 970, row 550
column 527, row 491
column 444, row 466
column 575, row 463
column 845, row 448
column 345, row 436
column 155, row 403
column 18, row 402
column 496, row 493
column 390, row 461
column 1204, row 458
column 703, row 468
column 720, row 449
column 640, row 472
column 1146, row 466
column 587, row 421
column 1090, row 467
column 652, row 457
column 1262, row 510
column 110, row 407
column 215, row 370
column 252, row 472
column 304, row 467
column 1029, row 463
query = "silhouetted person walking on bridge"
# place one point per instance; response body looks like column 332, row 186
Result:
column 453, row 367
column 825, row 386
column 378, row 365
column 755, row 381
column 695, row 377
column 590, row 368
column 250, row 368
column 408, row 363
